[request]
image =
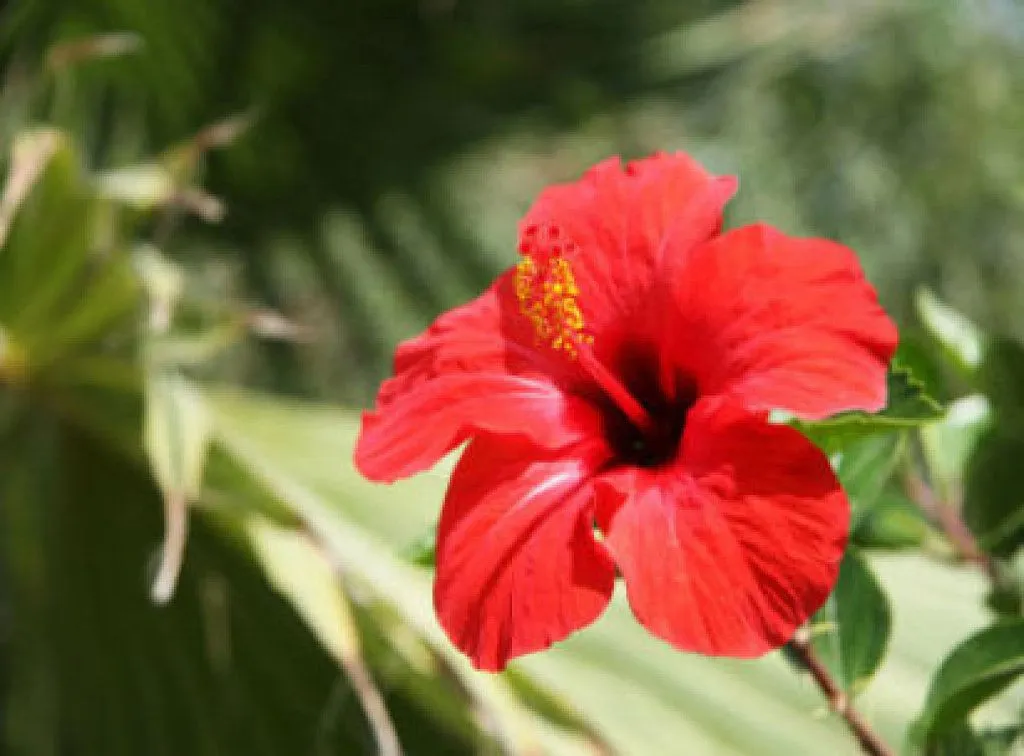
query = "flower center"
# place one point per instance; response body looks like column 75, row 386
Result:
column 645, row 411
column 657, row 444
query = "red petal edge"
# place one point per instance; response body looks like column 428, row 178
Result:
column 624, row 222
column 778, row 322
column 464, row 375
column 731, row 549
column 518, row 566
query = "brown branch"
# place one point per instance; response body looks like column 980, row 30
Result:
column 947, row 517
column 838, row 701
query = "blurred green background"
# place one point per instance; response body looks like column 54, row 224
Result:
column 249, row 204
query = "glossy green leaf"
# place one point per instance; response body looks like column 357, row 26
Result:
column 865, row 466
column 880, row 514
column 917, row 353
column 851, row 632
column 957, row 741
column 978, row 669
column 908, row 406
column 908, row 401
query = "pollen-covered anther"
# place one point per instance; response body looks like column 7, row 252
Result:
column 547, row 292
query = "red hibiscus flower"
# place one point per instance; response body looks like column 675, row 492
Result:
column 614, row 389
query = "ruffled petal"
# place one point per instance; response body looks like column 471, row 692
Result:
column 471, row 371
column 735, row 545
column 518, row 566
column 615, row 227
column 778, row 322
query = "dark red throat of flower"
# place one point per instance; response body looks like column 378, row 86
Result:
column 656, row 444
column 646, row 432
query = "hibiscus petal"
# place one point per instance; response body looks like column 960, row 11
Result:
column 518, row 566
column 737, row 543
column 779, row 322
column 467, row 372
column 616, row 226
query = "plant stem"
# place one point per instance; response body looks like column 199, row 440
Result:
column 837, row 699
column 947, row 518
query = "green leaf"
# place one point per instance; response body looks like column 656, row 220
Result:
column 1000, row 377
column 894, row 522
column 302, row 573
column 296, row 450
column 908, row 406
column 917, row 353
column 949, row 443
column 63, row 284
column 637, row 694
column 177, row 437
column 856, row 620
column 962, row 340
column 993, row 493
column 105, row 304
column 49, row 243
column 908, row 402
column 144, row 187
column 1007, row 597
column 164, row 282
column 424, row 550
column 225, row 668
column 978, row 669
column 1002, row 741
column 993, row 506
column 177, row 432
column 30, row 154
column 865, row 466
column 959, row 740
column 880, row 514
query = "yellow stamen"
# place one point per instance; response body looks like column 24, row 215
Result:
column 547, row 297
column 547, row 294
